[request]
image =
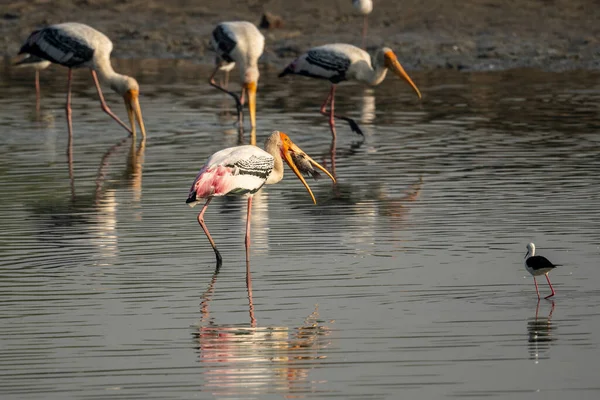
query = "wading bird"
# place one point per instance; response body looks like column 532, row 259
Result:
column 37, row 64
column 76, row 45
column 364, row 8
column 244, row 170
column 538, row 265
column 344, row 62
column 239, row 42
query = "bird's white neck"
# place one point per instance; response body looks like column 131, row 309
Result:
column 272, row 147
column 107, row 75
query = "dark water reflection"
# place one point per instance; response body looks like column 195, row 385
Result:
column 406, row 279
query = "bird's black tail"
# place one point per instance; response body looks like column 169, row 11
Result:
column 286, row 71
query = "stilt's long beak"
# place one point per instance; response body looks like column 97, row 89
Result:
column 134, row 112
column 527, row 254
column 287, row 149
column 391, row 61
column 251, row 90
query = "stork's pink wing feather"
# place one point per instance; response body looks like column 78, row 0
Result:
column 215, row 180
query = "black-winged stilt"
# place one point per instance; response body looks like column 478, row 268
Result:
column 538, row 265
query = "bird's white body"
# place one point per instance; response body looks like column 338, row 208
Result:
column 536, row 265
column 246, row 45
column 363, row 7
column 33, row 62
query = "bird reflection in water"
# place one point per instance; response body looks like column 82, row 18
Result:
column 251, row 360
column 539, row 332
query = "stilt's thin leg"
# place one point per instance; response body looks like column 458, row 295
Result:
column 330, row 99
column 536, row 287
column 248, row 229
column 105, row 107
column 323, row 110
column 37, row 91
column 537, row 309
column 551, row 288
column 69, row 114
column 238, row 104
column 205, row 229
column 250, row 301
column 364, row 31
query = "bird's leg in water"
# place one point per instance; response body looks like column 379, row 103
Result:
column 248, row 229
column 238, row 103
column 105, row 107
column 536, row 287
column 210, row 239
column 551, row 288
column 330, row 99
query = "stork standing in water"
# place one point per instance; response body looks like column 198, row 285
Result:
column 343, row 62
column 239, row 42
column 364, row 8
column 537, row 266
column 76, row 45
column 37, row 64
column 244, row 170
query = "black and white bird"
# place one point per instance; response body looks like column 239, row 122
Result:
column 537, row 266
column 76, row 45
column 37, row 64
column 364, row 8
column 343, row 62
column 239, row 42
column 244, row 170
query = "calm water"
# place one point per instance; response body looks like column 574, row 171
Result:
column 405, row 280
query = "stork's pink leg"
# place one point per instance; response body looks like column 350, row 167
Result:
column 248, row 229
column 205, row 229
column 536, row 287
column 330, row 99
column 69, row 114
column 238, row 104
column 37, row 91
column 105, row 107
column 364, row 31
column 551, row 288
column 250, row 301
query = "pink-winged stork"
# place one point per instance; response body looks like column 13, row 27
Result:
column 244, row 170
column 537, row 266
column 76, row 45
column 364, row 8
column 239, row 42
column 343, row 62
column 37, row 64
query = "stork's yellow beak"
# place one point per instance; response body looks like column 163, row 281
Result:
column 391, row 62
column 287, row 149
column 134, row 112
column 251, row 90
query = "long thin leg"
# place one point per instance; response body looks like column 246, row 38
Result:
column 364, row 31
column 205, row 229
column 238, row 104
column 250, row 301
column 248, row 229
column 323, row 110
column 551, row 288
column 69, row 114
column 330, row 99
column 536, row 287
column 105, row 107
column 37, row 91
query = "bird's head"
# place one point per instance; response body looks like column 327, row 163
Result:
column 298, row 160
column 387, row 58
column 250, row 84
column 530, row 249
column 128, row 87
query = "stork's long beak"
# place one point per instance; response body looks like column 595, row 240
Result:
column 251, row 90
column 391, row 62
column 286, row 150
column 134, row 112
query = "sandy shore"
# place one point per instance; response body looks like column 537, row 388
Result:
column 426, row 34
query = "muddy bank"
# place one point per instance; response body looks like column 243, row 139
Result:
column 426, row 34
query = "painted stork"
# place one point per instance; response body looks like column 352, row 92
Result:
column 37, row 64
column 76, row 45
column 343, row 62
column 364, row 8
column 239, row 42
column 538, row 265
column 244, row 170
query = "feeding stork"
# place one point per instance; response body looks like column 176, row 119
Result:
column 37, row 64
column 538, row 265
column 364, row 8
column 239, row 42
column 76, row 45
column 343, row 62
column 244, row 170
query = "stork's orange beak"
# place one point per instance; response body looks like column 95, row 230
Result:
column 391, row 62
column 286, row 150
column 134, row 112
column 251, row 90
